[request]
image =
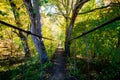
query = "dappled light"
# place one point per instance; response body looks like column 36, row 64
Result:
column 59, row 39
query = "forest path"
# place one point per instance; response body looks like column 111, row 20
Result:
column 59, row 68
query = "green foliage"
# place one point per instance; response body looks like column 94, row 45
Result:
column 100, row 69
column 103, row 53
column 43, row 2
column 2, row 13
column 32, row 70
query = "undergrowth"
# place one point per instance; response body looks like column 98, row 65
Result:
column 31, row 70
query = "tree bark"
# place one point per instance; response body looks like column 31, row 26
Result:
column 25, row 44
column 34, row 13
column 20, row 34
column 78, row 6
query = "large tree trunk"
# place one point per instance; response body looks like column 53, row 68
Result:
column 34, row 13
column 78, row 6
column 20, row 34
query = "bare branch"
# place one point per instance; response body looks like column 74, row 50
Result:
column 62, row 3
column 72, row 7
column 61, row 11
column 57, row 4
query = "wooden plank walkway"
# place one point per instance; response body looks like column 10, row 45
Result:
column 59, row 68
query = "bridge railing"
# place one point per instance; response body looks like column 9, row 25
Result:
column 96, row 28
column 75, row 39
column 22, row 30
column 50, row 45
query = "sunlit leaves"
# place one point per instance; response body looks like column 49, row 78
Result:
column 102, row 43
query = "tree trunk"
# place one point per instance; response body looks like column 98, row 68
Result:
column 25, row 44
column 66, row 37
column 34, row 13
column 78, row 6
column 20, row 34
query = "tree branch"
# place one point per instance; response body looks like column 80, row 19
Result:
column 61, row 11
column 28, row 32
column 80, row 3
column 98, row 27
column 111, row 4
column 76, row 9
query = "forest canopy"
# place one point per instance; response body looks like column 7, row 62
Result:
column 82, row 35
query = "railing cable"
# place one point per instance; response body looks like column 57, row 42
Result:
column 98, row 27
column 28, row 32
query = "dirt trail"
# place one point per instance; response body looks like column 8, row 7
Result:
column 59, row 68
